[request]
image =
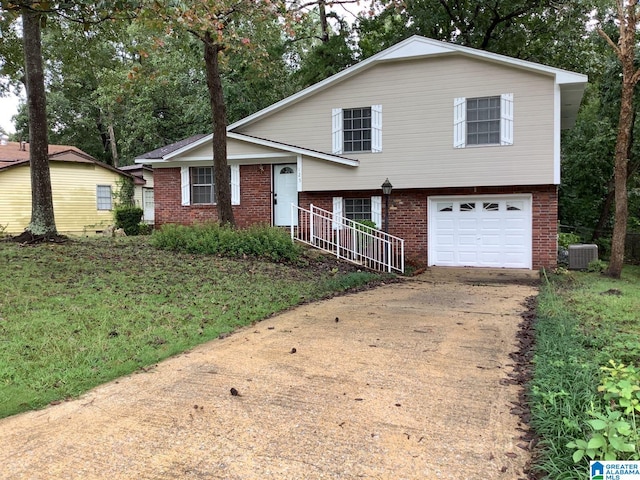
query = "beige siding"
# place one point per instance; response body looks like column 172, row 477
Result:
column 234, row 147
column 137, row 196
column 417, row 100
column 74, row 188
column 148, row 177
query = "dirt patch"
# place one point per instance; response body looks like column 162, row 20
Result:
column 411, row 380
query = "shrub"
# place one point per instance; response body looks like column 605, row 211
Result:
column 145, row 229
column 212, row 238
column 596, row 266
column 566, row 239
column 128, row 218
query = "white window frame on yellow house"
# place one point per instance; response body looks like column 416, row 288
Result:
column 104, row 200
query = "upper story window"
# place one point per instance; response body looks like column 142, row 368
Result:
column 483, row 121
column 357, row 130
column 104, row 197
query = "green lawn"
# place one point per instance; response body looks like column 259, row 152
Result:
column 584, row 321
column 78, row 314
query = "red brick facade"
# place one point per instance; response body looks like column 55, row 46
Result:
column 408, row 217
column 407, row 209
column 255, row 198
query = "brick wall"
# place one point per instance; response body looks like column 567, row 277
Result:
column 255, row 198
column 407, row 209
column 408, row 217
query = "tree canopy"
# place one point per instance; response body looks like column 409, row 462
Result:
column 141, row 81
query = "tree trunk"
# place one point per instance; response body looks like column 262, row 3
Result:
column 324, row 25
column 42, row 216
column 112, row 143
column 625, row 50
column 222, row 174
column 620, row 174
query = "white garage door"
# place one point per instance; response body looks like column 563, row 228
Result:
column 482, row 231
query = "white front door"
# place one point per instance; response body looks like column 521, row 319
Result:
column 285, row 193
column 481, row 231
column 148, row 205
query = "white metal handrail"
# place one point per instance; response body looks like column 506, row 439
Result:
column 348, row 239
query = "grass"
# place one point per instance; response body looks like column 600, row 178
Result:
column 76, row 315
column 584, row 320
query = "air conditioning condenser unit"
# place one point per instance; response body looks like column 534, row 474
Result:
column 580, row 256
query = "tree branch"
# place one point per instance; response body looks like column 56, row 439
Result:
column 613, row 45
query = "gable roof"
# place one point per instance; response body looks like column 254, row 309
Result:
column 162, row 152
column 571, row 84
column 12, row 155
column 193, row 142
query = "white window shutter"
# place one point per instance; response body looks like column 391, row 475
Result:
column 235, row 184
column 506, row 119
column 376, row 128
column 337, row 213
column 184, row 185
column 376, row 210
column 336, row 130
column 459, row 122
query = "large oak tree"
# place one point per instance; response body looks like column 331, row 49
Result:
column 223, row 27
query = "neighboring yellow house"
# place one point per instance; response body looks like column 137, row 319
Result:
column 82, row 188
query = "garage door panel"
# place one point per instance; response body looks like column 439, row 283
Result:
column 466, row 240
column 490, row 259
column 480, row 231
column 468, row 259
column 445, row 241
column 514, row 241
column 491, row 240
column 446, row 258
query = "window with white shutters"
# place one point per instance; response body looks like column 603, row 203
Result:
column 356, row 130
column 483, row 121
column 198, row 185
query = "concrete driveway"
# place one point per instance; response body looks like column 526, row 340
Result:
column 404, row 381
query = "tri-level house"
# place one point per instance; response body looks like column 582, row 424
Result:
column 469, row 140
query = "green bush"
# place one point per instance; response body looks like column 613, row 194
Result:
column 212, row 238
column 596, row 266
column 566, row 239
column 145, row 229
column 128, row 218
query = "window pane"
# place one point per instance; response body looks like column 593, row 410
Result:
column 103, row 194
column 357, row 208
column 467, row 207
column 202, row 191
column 483, row 121
column 356, row 129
